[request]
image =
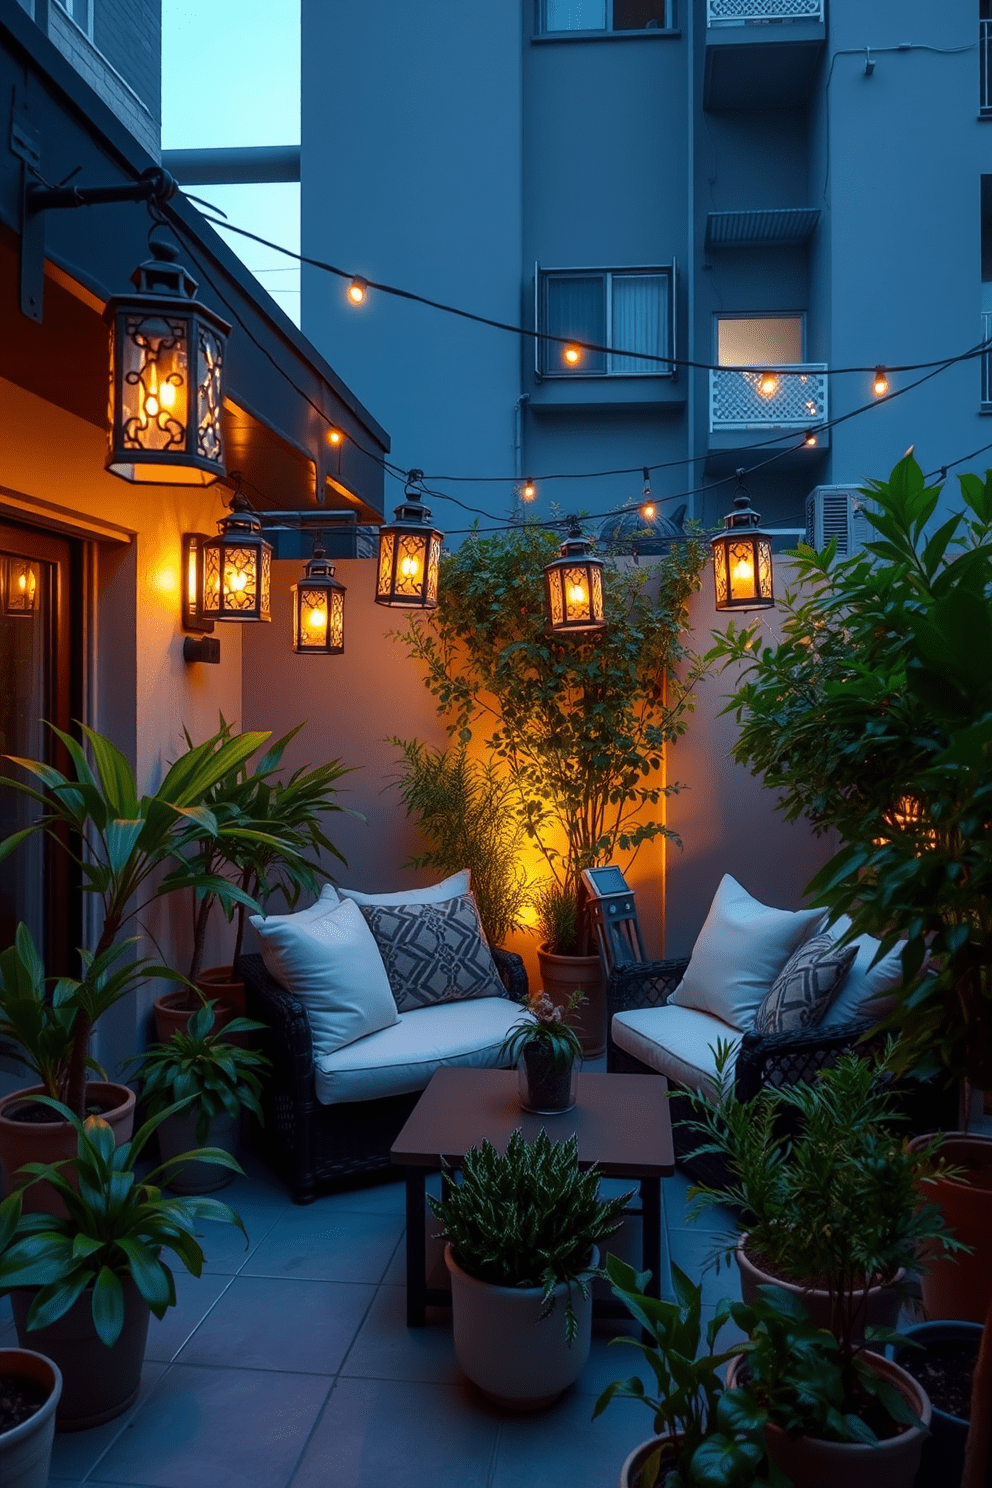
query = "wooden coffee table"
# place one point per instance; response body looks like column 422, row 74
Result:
column 621, row 1122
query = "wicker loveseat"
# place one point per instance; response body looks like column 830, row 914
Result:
column 311, row 1144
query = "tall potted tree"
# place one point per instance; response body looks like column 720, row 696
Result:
column 873, row 716
column 578, row 724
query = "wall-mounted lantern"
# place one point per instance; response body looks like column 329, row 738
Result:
column 574, row 587
column 742, row 558
column 19, row 587
column 318, row 608
column 166, row 378
column 237, row 567
column 409, row 555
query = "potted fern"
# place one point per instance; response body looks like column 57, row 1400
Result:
column 522, row 1229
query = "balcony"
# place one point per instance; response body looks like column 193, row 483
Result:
column 761, row 53
column 768, row 398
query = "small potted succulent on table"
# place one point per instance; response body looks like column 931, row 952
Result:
column 546, row 1050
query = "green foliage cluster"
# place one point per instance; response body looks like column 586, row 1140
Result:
column 544, row 1023
column 873, row 716
column 203, row 1067
column 829, row 1191
column 116, row 1227
column 577, row 723
column 465, row 809
column 527, row 1217
column 558, row 918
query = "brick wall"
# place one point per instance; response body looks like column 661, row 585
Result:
column 129, row 31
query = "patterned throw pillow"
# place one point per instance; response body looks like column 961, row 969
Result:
column 433, row 952
column 805, row 987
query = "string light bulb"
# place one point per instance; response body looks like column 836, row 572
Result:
column 880, row 383
column 528, row 490
column 767, row 384
column 572, row 354
column 647, row 505
column 810, row 440
column 357, row 291
column 335, row 436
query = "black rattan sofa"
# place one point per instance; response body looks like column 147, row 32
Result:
column 313, row 1146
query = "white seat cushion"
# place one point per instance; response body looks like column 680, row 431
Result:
column 402, row 1058
column 867, row 991
column 448, row 888
column 739, row 952
column 675, row 1041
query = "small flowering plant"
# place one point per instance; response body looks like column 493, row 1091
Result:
column 545, row 1024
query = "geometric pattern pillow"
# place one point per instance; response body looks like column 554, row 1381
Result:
column 805, row 987
column 433, row 952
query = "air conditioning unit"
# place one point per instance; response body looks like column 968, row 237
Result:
column 837, row 512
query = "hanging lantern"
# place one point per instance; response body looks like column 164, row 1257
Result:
column 237, row 567
column 742, row 558
column 166, row 378
column 409, row 555
column 318, row 608
column 574, row 586
column 20, row 587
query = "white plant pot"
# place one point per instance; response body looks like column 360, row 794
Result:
column 26, row 1450
column 177, row 1134
column 516, row 1358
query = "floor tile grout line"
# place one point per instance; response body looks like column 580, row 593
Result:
column 374, row 1298
column 230, row 1282
column 310, row 1435
column 127, row 1419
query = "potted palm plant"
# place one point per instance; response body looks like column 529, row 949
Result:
column 522, row 1229
column 217, row 1078
column 82, row 1288
column 546, row 1050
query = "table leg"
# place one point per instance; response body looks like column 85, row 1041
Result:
column 416, row 1249
column 651, row 1254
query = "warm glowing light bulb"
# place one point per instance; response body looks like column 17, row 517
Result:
column 743, row 572
column 237, row 583
column 880, row 383
column 22, row 583
column 647, row 512
column 357, row 290
column 316, row 617
column 528, row 491
column 767, row 384
column 572, row 355
column 335, row 436
column 167, row 395
column 809, row 441
column 577, row 594
column 409, row 568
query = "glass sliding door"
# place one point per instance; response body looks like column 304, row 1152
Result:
column 35, row 689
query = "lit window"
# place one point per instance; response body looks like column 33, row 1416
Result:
column 626, row 309
column 766, row 341
column 563, row 16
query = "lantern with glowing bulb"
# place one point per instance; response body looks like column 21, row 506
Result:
column 574, row 587
column 20, row 587
column 742, row 558
column 166, row 378
column 318, row 608
column 237, row 567
column 409, row 555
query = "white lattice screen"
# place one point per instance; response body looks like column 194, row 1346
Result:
column 799, row 399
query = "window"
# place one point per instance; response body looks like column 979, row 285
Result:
column 630, row 309
column 752, row 341
column 80, row 11
column 562, row 16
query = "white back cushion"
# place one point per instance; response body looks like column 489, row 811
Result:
column 740, row 950
column 327, row 956
column 448, row 888
column 867, row 991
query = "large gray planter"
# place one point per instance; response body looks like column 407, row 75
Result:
column 177, row 1134
column 26, row 1450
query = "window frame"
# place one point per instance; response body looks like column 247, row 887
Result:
column 541, row 27
column 719, row 315
column 542, row 275
column 88, row 29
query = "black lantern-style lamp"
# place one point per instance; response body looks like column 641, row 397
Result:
column 574, row 587
column 237, row 567
column 742, row 558
column 166, row 378
column 318, row 608
column 20, row 587
column 409, row 555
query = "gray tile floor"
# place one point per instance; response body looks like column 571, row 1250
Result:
column 288, row 1362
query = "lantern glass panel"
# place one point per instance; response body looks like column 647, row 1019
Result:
column 209, row 395
column 764, row 568
column 433, row 569
column 21, row 587
column 555, row 605
column 410, row 555
column 576, row 585
column 319, row 619
column 741, row 557
column 720, row 574
column 387, row 543
column 154, row 384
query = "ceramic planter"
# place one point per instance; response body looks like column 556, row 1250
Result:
column 547, row 1087
column 814, row 1463
column 630, row 1473
column 50, row 1141
column 943, row 1455
column 177, row 1134
column 502, row 1344
column 884, row 1302
column 26, row 1450
column 563, row 975
column 221, row 984
column 172, row 1016
column 960, row 1285
column 98, row 1383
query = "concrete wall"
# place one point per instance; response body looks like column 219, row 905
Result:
column 121, row 62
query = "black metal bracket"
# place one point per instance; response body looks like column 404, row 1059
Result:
column 201, row 648
column 154, row 185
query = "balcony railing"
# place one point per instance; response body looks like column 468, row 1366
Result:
column 756, row 12
column 987, row 360
column 985, row 66
column 782, row 397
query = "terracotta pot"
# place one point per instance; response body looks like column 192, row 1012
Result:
column 172, row 1016
column 220, row 983
column 26, row 1450
column 943, row 1455
column 960, row 1285
column 516, row 1358
column 48, row 1142
column 630, row 1473
column 177, row 1134
column 98, row 1382
column 884, row 1302
column 813, row 1463
column 563, row 975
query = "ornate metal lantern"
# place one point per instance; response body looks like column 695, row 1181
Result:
column 20, row 587
column 574, row 587
column 318, row 608
column 409, row 556
column 742, row 558
column 166, row 378
column 237, row 567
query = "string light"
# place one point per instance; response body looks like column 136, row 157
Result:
column 810, row 440
column 572, row 355
column 334, row 436
column 528, row 490
column 357, row 290
column 647, row 505
column 767, row 384
column 880, row 383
